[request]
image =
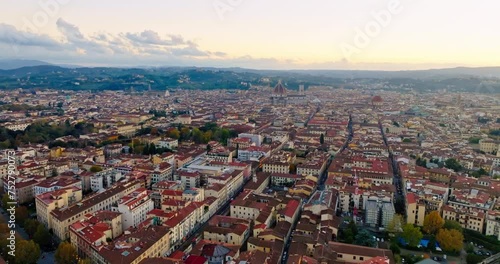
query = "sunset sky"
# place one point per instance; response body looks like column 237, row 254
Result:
column 260, row 34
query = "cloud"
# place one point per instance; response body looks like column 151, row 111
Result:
column 10, row 35
column 123, row 49
column 71, row 32
column 153, row 38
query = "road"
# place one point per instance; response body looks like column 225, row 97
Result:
column 320, row 186
column 396, row 177
column 224, row 210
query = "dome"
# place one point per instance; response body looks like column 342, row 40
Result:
column 279, row 88
column 377, row 99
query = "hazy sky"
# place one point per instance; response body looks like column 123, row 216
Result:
column 291, row 34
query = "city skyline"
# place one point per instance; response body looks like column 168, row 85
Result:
column 387, row 35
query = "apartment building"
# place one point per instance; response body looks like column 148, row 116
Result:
column 47, row 202
column 62, row 218
column 134, row 207
column 415, row 210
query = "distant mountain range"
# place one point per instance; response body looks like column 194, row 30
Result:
column 39, row 74
column 15, row 64
column 488, row 72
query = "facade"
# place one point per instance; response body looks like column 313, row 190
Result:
column 47, row 202
column 493, row 224
column 134, row 207
column 379, row 211
column 61, row 219
column 415, row 210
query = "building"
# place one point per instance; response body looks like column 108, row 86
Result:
column 488, row 145
column 134, row 207
column 379, row 211
column 347, row 253
column 60, row 219
column 225, row 229
column 280, row 96
column 169, row 143
column 94, row 232
column 493, row 224
column 47, row 202
column 415, row 210
column 135, row 246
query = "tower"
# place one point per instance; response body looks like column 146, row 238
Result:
column 301, row 89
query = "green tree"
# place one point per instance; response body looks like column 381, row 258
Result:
column 433, row 222
column 451, row 224
column 21, row 214
column 6, row 200
column 453, row 164
column 197, row 136
column 412, row 235
column 65, row 253
column 152, row 149
column 185, row 132
column 30, row 226
column 396, row 224
column 27, row 252
column 42, row 237
column 364, row 238
column 145, row 150
column 95, row 168
column 474, row 259
column 174, row 133
column 322, row 139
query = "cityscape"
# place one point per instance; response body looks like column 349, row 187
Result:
column 164, row 151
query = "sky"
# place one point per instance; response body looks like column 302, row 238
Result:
column 276, row 34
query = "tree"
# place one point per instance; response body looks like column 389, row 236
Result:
column 27, row 252
column 21, row 214
column 353, row 227
column 95, row 168
column 396, row 224
column 364, row 238
column 42, row 237
column 30, row 226
column 450, row 239
column 84, row 261
column 65, row 253
column 152, row 149
column 451, row 224
column 433, row 222
column 174, row 133
column 209, row 148
column 154, row 131
column 6, row 200
column 145, row 150
column 474, row 259
column 412, row 235
column 185, row 132
column 453, row 164
column 322, row 139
